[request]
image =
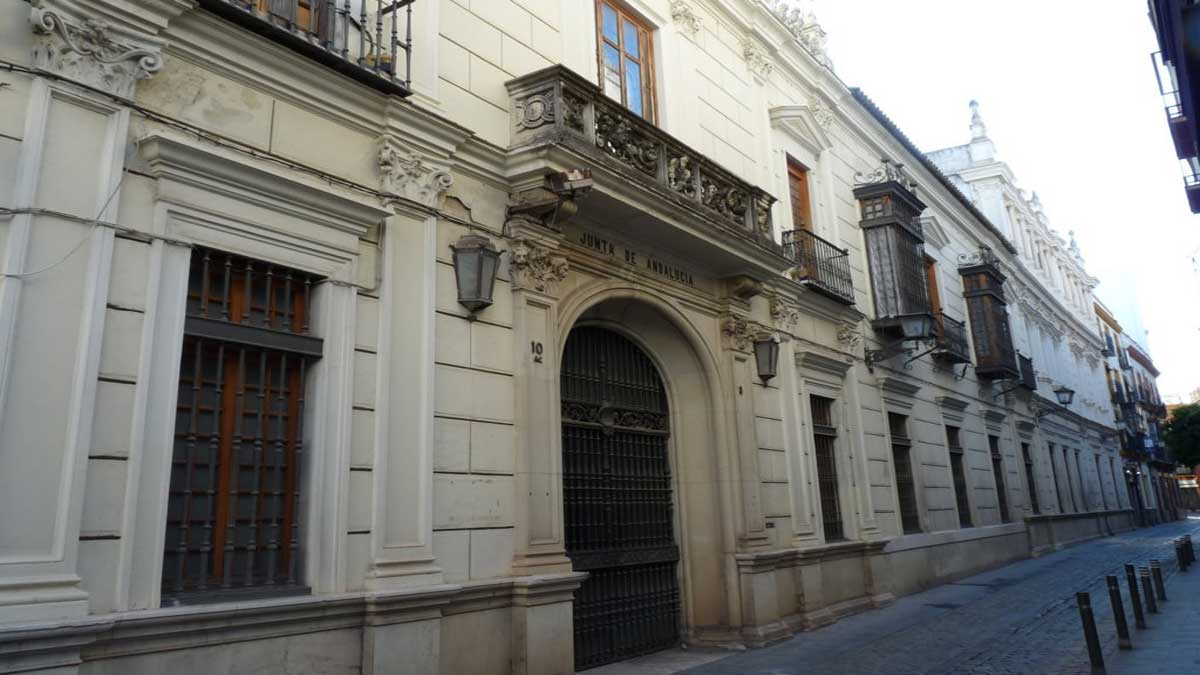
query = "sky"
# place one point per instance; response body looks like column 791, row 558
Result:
column 1068, row 94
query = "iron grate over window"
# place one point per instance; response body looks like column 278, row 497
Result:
column 959, row 475
column 825, row 442
column 998, row 472
column 906, row 490
column 1032, row 486
column 233, row 519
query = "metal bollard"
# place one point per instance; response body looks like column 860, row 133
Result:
column 1148, row 590
column 1135, row 598
column 1089, row 632
column 1118, row 608
column 1156, row 573
column 1179, row 558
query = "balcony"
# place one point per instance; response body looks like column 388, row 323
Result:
column 895, row 245
column 820, row 265
column 364, row 41
column 951, row 346
column 1123, row 358
column 987, row 308
column 1181, row 127
column 1028, row 375
column 649, row 186
column 1118, row 396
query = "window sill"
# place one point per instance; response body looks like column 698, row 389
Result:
column 231, row 595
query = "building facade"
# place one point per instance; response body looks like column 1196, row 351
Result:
column 1140, row 414
column 555, row 334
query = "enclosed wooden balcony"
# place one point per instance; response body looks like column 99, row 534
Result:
column 1028, row 378
column 820, row 265
column 367, row 40
column 983, row 290
column 649, row 185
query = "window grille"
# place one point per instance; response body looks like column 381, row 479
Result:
column 1054, row 475
column 1067, row 467
column 233, row 518
column 906, row 489
column 825, row 441
column 998, row 472
column 1100, row 481
column 1031, row 484
column 959, row 476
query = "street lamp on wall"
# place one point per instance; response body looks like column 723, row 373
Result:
column 766, row 356
column 475, row 263
column 1064, row 395
column 913, row 327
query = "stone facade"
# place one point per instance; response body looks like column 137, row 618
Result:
column 432, row 535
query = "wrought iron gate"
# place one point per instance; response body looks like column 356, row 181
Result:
column 617, row 499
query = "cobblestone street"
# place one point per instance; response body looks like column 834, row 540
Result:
column 1020, row 618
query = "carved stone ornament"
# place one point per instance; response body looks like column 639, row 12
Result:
column 685, row 17
column 802, row 23
column 757, row 60
column 984, row 256
column 404, row 173
column 821, row 113
column 535, row 267
column 87, row 52
column 785, row 315
column 848, row 335
column 738, row 333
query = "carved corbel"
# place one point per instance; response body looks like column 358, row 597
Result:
column 785, row 315
column 535, row 267
column 90, row 51
column 743, row 287
column 685, row 17
column 404, row 173
column 848, row 335
column 556, row 201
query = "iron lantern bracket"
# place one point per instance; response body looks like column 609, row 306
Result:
column 895, row 348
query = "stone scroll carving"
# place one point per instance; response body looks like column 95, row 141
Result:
column 404, row 173
column 683, row 15
column 535, row 267
column 87, row 52
column 803, row 25
column 757, row 60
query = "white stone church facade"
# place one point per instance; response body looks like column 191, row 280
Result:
column 750, row 362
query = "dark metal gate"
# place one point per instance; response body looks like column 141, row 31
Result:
column 617, row 499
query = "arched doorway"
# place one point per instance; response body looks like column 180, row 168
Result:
column 618, row 504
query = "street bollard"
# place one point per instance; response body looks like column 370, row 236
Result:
column 1148, row 590
column 1187, row 549
column 1118, row 608
column 1156, row 574
column 1089, row 632
column 1135, row 598
column 1179, row 559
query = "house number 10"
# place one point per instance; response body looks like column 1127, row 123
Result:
column 536, row 348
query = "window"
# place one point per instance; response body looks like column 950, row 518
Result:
column 233, row 517
column 906, row 489
column 1083, row 500
column 825, row 441
column 1066, row 455
column 1100, row 480
column 626, row 58
column 998, row 472
column 960, row 477
column 1054, row 473
column 1030, row 483
column 799, row 196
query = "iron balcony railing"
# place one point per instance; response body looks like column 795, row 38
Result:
column 1164, row 74
column 1028, row 375
column 1118, row 395
column 952, row 342
column 1123, row 358
column 819, row 264
column 364, row 39
column 555, row 106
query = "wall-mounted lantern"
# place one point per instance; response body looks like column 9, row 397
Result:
column 913, row 328
column 1064, row 395
column 766, row 356
column 475, row 263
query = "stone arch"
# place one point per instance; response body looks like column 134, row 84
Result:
column 686, row 362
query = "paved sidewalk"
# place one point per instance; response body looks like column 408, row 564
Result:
column 1018, row 619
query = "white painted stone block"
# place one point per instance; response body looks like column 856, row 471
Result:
column 362, row 438
column 98, row 568
column 365, row 369
column 317, row 141
column 113, row 419
column 366, row 323
column 465, row 28
column 492, row 448
column 451, row 445
column 452, row 549
column 477, row 642
column 452, row 341
column 505, row 15
column 127, row 285
column 361, row 486
column 491, row 347
column 121, row 347
column 491, row 553
column 473, row 393
column 104, row 497
column 358, row 558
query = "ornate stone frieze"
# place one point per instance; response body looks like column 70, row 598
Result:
column 91, row 52
column 759, row 63
column 611, row 418
column 685, row 17
column 785, row 315
column 887, row 171
column 535, row 267
column 404, row 173
column 849, row 335
column 821, row 113
column 983, row 256
column 802, row 23
column 736, row 333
